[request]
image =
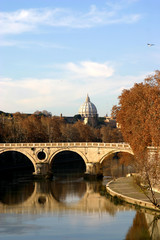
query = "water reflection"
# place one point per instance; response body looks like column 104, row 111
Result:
column 145, row 226
column 13, row 193
column 153, row 222
column 74, row 197
column 70, row 194
column 139, row 229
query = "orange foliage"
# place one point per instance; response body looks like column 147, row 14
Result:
column 139, row 229
column 125, row 158
column 139, row 114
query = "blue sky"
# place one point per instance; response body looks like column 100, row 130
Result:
column 55, row 52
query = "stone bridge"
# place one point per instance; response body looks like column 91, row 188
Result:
column 42, row 154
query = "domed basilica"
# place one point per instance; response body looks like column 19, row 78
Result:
column 88, row 112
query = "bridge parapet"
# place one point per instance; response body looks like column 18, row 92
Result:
column 66, row 144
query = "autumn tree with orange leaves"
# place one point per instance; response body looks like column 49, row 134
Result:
column 138, row 115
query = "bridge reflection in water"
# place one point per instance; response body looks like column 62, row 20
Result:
column 73, row 194
column 70, row 195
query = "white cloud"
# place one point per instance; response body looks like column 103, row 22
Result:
column 91, row 69
column 30, row 94
column 31, row 19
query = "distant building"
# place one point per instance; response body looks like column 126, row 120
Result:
column 88, row 112
column 110, row 121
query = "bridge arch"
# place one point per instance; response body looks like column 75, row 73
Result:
column 83, row 156
column 68, row 153
column 23, row 152
column 114, row 151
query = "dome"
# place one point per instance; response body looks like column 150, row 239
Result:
column 88, row 109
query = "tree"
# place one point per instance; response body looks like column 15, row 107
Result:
column 34, row 130
column 139, row 117
column 139, row 114
column 114, row 112
column 43, row 113
column 126, row 158
column 69, row 133
column 111, row 135
column 85, row 132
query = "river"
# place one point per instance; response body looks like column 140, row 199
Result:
column 68, row 208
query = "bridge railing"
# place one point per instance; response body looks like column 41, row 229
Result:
column 65, row 144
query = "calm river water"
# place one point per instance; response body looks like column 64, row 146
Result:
column 68, row 208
